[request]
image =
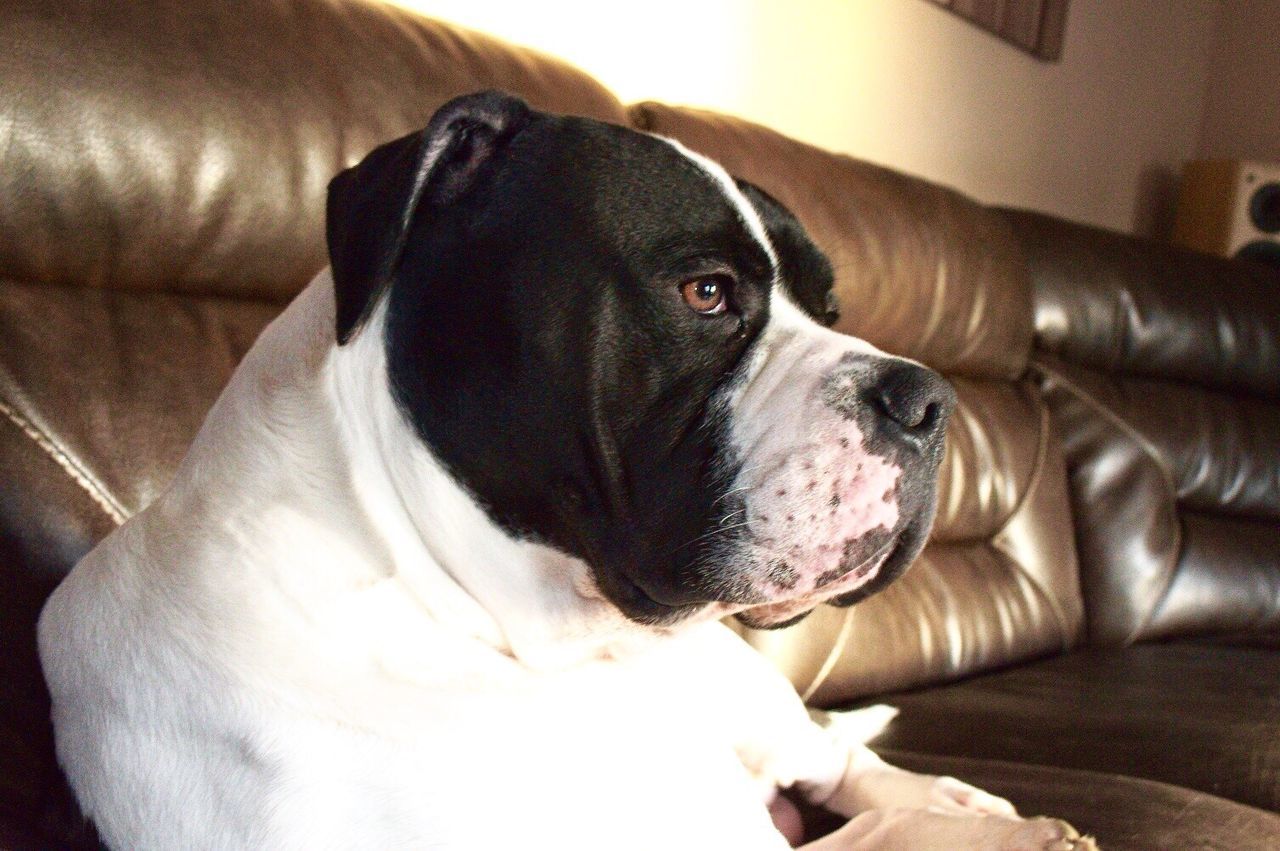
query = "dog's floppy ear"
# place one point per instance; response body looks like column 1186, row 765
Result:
column 806, row 269
column 371, row 205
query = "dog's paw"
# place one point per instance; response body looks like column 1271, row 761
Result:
column 887, row 787
column 927, row 830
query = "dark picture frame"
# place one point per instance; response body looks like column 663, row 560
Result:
column 1036, row 26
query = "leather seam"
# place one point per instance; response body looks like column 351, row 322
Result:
column 1120, row 423
column 78, row 474
column 1166, row 476
column 195, row 294
column 1033, row 482
column 833, row 657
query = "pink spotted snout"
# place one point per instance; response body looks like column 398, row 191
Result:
column 838, row 482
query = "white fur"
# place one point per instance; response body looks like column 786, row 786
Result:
column 316, row 639
column 747, row 213
column 799, row 456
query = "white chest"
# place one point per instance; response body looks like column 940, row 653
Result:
column 589, row 760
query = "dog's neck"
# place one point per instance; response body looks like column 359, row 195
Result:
column 527, row 600
column 307, row 465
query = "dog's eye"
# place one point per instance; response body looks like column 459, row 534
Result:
column 707, row 295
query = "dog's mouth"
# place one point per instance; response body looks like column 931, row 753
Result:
column 757, row 611
column 782, row 613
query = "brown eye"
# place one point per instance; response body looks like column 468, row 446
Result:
column 707, row 295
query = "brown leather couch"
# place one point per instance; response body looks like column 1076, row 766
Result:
column 1093, row 630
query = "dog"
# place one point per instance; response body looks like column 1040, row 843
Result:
column 446, row 565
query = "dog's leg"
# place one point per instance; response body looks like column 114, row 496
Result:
column 873, row 784
column 925, row 830
column 870, row 783
column 891, row 807
column 824, row 757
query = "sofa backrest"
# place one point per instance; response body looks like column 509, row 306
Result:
column 922, row 271
column 186, row 146
column 1162, row 370
column 162, row 177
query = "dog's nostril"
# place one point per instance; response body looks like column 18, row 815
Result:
column 929, row 419
column 914, row 398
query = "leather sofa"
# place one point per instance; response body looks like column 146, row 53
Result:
column 1093, row 629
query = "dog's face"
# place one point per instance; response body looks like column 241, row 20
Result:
column 616, row 350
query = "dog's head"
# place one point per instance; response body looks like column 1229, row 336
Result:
column 619, row 351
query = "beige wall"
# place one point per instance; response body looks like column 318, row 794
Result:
column 1096, row 137
column 1242, row 105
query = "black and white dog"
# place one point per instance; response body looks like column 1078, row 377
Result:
column 445, row 565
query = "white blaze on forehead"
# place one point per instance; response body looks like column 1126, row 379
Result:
column 746, row 211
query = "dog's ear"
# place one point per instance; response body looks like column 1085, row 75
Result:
column 372, row 204
column 805, row 268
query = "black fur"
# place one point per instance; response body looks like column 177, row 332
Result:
column 537, row 338
column 371, row 205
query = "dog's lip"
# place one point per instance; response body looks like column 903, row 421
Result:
column 638, row 604
column 781, row 611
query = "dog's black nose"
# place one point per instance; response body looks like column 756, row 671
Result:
column 913, row 401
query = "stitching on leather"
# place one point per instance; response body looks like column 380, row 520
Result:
column 1119, row 422
column 1033, row 482
column 833, row 656
column 78, row 474
column 1165, row 474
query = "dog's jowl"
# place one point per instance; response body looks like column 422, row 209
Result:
column 447, row 563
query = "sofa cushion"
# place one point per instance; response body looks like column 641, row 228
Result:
column 113, row 385
column 1205, row 717
column 100, row 394
column 1123, row 305
column 187, row 146
column 1177, row 492
column 1162, row 370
